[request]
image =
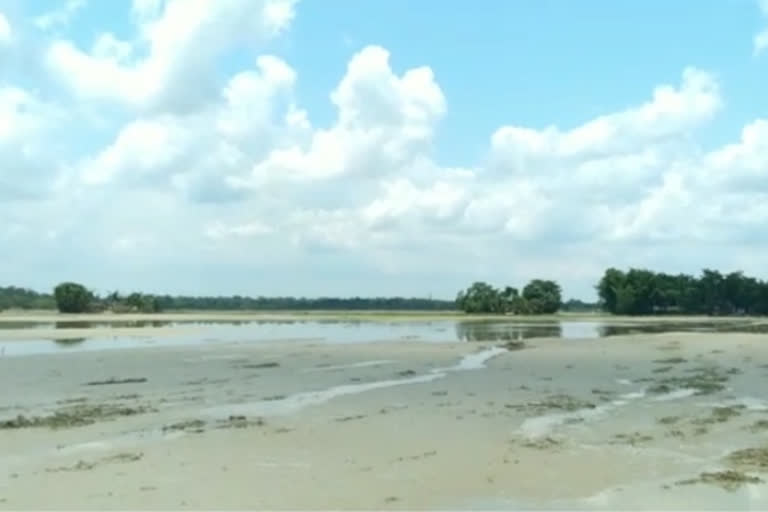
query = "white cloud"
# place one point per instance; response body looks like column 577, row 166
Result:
column 60, row 17
column 174, row 170
column 194, row 152
column 672, row 112
column 170, row 67
column 6, row 33
column 384, row 121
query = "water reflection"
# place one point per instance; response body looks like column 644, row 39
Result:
column 506, row 331
column 71, row 334
column 68, row 342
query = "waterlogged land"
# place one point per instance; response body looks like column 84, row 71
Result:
column 670, row 420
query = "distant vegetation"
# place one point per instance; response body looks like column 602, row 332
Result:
column 644, row 292
column 631, row 292
column 537, row 298
column 75, row 298
column 22, row 298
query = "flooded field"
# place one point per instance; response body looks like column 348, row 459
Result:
column 42, row 337
column 438, row 414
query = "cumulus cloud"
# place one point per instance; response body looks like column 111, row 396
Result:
column 671, row 112
column 180, row 171
column 383, row 122
column 169, row 66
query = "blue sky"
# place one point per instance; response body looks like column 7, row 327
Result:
column 407, row 148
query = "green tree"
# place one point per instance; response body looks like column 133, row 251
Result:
column 542, row 296
column 73, row 298
column 481, row 298
column 609, row 287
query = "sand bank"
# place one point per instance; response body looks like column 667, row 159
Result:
column 641, row 422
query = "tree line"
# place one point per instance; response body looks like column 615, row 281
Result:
column 632, row 292
column 644, row 292
column 71, row 297
column 23, row 298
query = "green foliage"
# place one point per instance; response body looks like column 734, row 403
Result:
column 22, row 298
column 12, row 297
column 579, row 306
column 643, row 292
column 238, row 302
column 73, row 298
column 481, row 298
column 542, row 296
column 133, row 303
column 538, row 297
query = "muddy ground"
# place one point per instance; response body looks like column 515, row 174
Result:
column 668, row 421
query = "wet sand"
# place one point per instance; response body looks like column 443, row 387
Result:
column 627, row 422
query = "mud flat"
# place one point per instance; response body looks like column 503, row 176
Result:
column 672, row 421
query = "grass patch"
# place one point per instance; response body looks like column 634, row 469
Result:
column 565, row 403
column 195, row 426
column 632, row 439
column 729, row 480
column 720, row 415
column 120, row 458
column 668, row 420
column 239, row 421
column 545, row 443
column 705, row 381
column 758, row 426
column 76, row 416
column 750, row 458
column 662, row 369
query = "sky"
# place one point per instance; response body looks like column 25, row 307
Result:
column 340, row 147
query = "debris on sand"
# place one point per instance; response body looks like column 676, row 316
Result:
column 76, row 416
column 417, row 457
column 669, row 420
column 750, row 458
column 194, row 426
column 704, row 381
column 344, row 419
column 120, row 458
column 545, row 443
column 239, row 421
column 565, row 403
column 113, row 381
column 720, row 415
column 729, row 480
column 260, row 366
column 513, row 345
column 632, row 439
column 671, row 360
column 758, row 426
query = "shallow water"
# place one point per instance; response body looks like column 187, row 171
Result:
column 337, row 331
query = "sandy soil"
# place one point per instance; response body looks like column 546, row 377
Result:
column 631, row 422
